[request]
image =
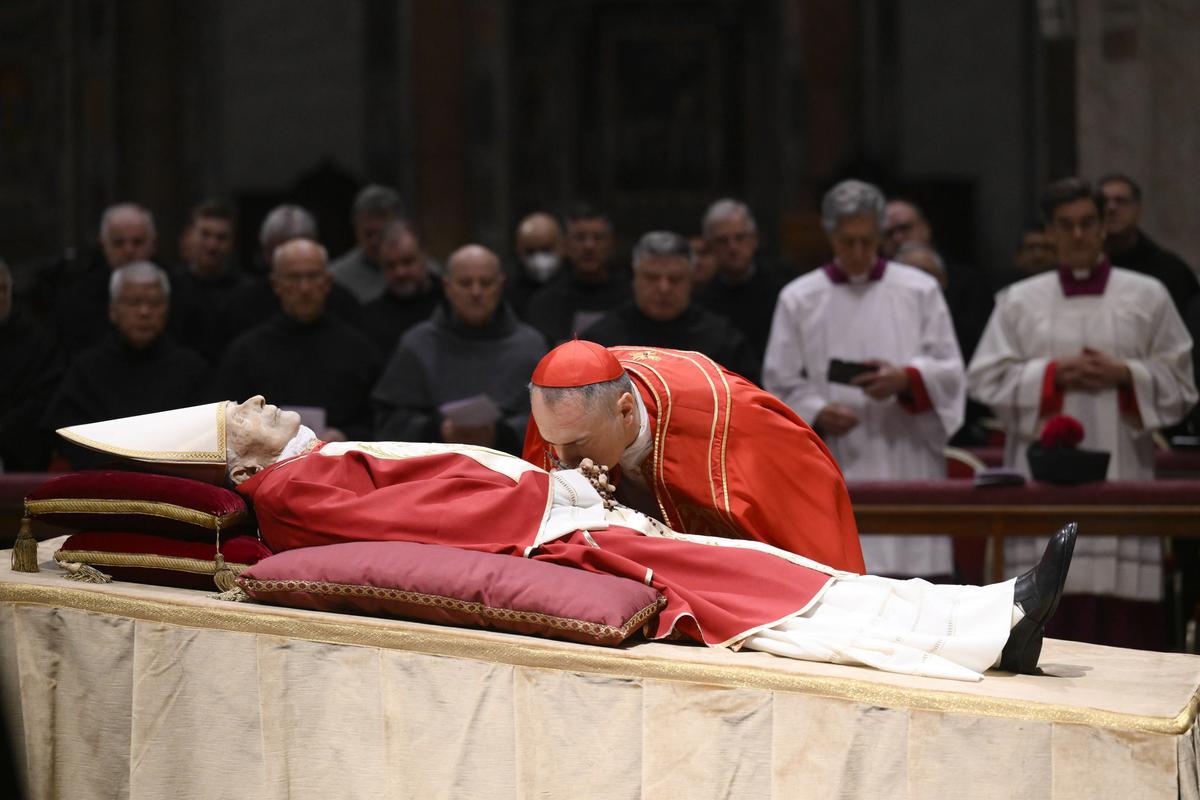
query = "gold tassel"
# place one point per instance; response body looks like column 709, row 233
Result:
column 223, row 577
column 234, row 595
column 24, row 552
column 84, row 573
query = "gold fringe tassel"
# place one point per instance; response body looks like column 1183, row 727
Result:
column 223, row 577
column 234, row 595
column 24, row 553
column 84, row 573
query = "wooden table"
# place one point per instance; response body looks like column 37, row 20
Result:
column 956, row 507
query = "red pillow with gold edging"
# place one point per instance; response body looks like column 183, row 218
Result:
column 161, row 560
column 449, row 586
column 112, row 500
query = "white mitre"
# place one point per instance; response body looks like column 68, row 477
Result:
column 185, row 441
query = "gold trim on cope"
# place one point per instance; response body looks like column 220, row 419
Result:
column 528, row 651
column 713, row 433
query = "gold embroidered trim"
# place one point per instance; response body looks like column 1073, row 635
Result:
column 544, row 654
column 164, row 456
column 144, row 507
column 712, row 435
column 145, row 561
column 595, row 630
column 657, row 484
column 723, row 510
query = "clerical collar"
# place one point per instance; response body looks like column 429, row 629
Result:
column 836, row 274
column 302, row 442
column 636, row 453
column 1094, row 282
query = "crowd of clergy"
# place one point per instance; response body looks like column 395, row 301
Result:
column 385, row 342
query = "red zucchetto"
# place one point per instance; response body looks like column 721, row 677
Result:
column 576, row 363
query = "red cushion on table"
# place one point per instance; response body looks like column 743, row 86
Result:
column 137, row 501
column 448, row 586
column 161, row 560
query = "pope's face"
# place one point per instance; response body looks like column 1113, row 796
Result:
column 255, row 434
column 575, row 432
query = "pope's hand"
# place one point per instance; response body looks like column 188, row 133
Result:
column 835, row 419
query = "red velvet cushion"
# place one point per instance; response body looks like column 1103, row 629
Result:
column 111, row 500
column 161, row 560
column 449, row 586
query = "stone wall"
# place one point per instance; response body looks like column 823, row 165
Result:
column 1139, row 111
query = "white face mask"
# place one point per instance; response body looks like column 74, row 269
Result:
column 542, row 265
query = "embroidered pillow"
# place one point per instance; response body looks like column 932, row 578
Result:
column 449, row 586
column 162, row 560
column 112, row 500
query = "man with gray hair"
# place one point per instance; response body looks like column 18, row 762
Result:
column 864, row 350
column 136, row 368
column 127, row 234
column 742, row 289
column 359, row 269
column 31, row 365
column 662, row 313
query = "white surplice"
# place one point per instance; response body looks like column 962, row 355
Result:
column 1135, row 321
column 901, row 318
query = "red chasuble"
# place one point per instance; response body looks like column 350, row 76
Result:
column 715, row 595
column 732, row 460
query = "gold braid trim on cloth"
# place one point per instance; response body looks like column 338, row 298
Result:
column 148, row 508
column 200, row 566
column 596, row 630
column 532, row 652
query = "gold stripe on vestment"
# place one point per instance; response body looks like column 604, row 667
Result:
column 713, row 434
column 657, row 479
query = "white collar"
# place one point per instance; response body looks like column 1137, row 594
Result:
column 636, row 453
column 298, row 443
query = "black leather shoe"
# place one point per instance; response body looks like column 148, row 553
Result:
column 1037, row 592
